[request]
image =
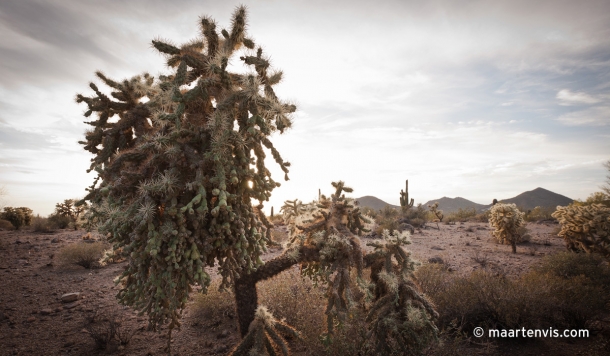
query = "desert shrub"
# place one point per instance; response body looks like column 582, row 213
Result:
column 538, row 214
column 72, row 210
column 595, row 198
column 18, row 217
column 40, row 224
column 565, row 291
column 81, row 253
column 568, row 265
column 585, row 227
column 106, row 328
column 418, row 216
column 481, row 217
column 6, row 225
column 506, row 219
column 461, row 215
column 60, row 221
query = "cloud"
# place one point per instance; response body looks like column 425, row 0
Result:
column 595, row 116
column 567, row 98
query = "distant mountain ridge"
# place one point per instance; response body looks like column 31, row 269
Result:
column 526, row 200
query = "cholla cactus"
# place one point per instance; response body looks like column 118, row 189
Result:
column 585, row 228
column 401, row 318
column 264, row 336
column 506, row 219
column 177, row 172
column 71, row 208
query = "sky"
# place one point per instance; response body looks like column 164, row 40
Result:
column 476, row 99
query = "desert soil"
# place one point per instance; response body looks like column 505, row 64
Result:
column 35, row 321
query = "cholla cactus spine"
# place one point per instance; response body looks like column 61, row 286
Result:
column 506, row 219
column 585, row 228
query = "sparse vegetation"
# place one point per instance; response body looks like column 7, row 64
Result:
column 83, row 254
column 40, row 224
column 565, row 291
column 6, row 225
column 461, row 215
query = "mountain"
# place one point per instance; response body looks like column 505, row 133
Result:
column 449, row 205
column 538, row 197
column 373, row 202
column 526, row 200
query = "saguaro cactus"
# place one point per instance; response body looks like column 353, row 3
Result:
column 404, row 198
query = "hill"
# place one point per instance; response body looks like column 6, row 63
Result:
column 526, row 200
column 538, row 197
column 449, row 205
column 373, row 202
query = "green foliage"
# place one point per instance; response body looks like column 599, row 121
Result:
column 585, row 227
column 506, row 219
column 177, row 173
column 417, row 217
column 17, row 216
column 538, row 213
column 72, row 210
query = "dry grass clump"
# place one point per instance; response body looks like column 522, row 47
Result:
column 303, row 304
column 6, row 225
column 565, row 291
column 215, row 305
column 82, row 253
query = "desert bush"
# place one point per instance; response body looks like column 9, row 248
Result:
column 6, row 225
column 72, row 211
column 461, row 215
column 40, row 224
column 81, row 253
column 481, row 217
column 106, row 328
column 60, row 221
column 18, row 217
column 595, row 198
column 565, row 291
column 417, row 217
column 538, row 214
column 585, row 227
column 506, row 219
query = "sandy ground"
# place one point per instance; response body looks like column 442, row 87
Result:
column 35, row 321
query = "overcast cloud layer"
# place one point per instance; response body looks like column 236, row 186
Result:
column 475, row 99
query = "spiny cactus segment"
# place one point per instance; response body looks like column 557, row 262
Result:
column 585, row 228
column 506, row 219
column 438, row 213
column 266, row 336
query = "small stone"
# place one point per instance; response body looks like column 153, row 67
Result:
column 71, row 305
column 436, row 248
column 55, row 240
column 436, row 259
column 223, row 334
column 70, row 297
column 31, row 319
column 46, row 311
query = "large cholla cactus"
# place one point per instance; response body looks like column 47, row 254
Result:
column 177, row 172
column 506, row 219
column 585, row 228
